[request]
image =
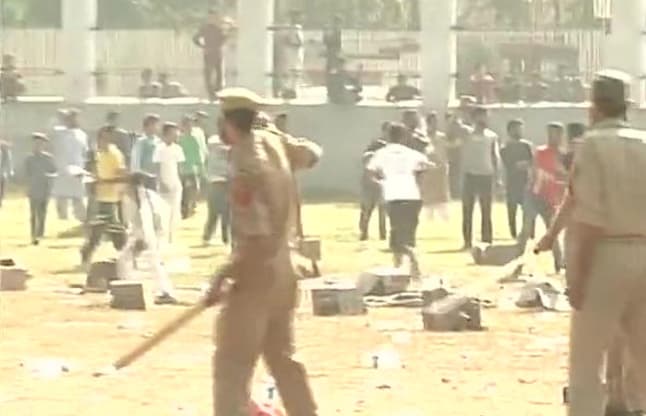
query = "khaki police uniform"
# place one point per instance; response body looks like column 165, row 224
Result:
column 257, row 316
column 607, row 187
column 620, row 381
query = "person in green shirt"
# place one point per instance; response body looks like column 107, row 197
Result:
column 143, row 150
column 192, row 169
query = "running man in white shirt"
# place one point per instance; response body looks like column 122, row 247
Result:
column 146, row 213
column 399, row 168
column 169, row 155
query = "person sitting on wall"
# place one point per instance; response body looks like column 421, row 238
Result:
column 482, row 84
column 403, row 91
column 560, row 87
column 148, row 87
column 170, row 89
column 343, row 88
column 536, row 88
column 11, row 83
column 577, row 89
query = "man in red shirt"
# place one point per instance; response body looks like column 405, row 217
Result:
column 211, row 38
column 546, row 188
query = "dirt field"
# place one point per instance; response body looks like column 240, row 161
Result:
column 516, row 367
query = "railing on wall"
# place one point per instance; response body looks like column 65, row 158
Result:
column 121, row 55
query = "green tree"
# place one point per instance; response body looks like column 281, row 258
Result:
column 32, row 13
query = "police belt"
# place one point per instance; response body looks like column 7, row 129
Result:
column 625, row 238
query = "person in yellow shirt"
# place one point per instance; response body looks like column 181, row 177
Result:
column 110, row 171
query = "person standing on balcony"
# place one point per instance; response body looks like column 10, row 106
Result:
column 294, row 53
column 212, row 37
column 333, row 42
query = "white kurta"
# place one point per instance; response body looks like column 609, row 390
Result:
column 70, row 148
column 169, row 158
column 147, row 221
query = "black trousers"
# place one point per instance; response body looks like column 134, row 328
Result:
column 105, row 221
column 515, row 198
column 455, row 174
column 218, row 209
column 213, row 65
column 38, row 216
column 190, row 188
column 536, row 206
column 370, row 199
column 480, row 187
column 404, row 218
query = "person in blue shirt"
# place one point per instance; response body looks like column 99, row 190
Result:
column 40, row 170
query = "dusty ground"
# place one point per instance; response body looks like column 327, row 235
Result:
column 516, row 367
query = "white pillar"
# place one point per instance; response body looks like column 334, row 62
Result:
column 79, row 48
column 438, row 52
column 624, row 48
column 255, row 45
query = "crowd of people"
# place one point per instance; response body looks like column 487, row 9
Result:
column 587, row 183
column 529, row 87
column 133, row 188
column 415, row 162
column 344, row 85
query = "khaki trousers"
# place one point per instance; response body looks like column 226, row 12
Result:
column 253, row 323
column 615, row 304
column 624, row 390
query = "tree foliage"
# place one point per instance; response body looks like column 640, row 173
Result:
column 528, row 14
column 357, row 14
column 32, row 13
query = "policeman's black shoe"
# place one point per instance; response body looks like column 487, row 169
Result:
column 165, row 299
column 363, row 237
column 35, row 242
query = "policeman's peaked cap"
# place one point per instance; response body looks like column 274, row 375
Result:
column 611, row 86
column 239, row 99
column 40, row 136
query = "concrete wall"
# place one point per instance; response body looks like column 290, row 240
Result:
column 343, row 131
